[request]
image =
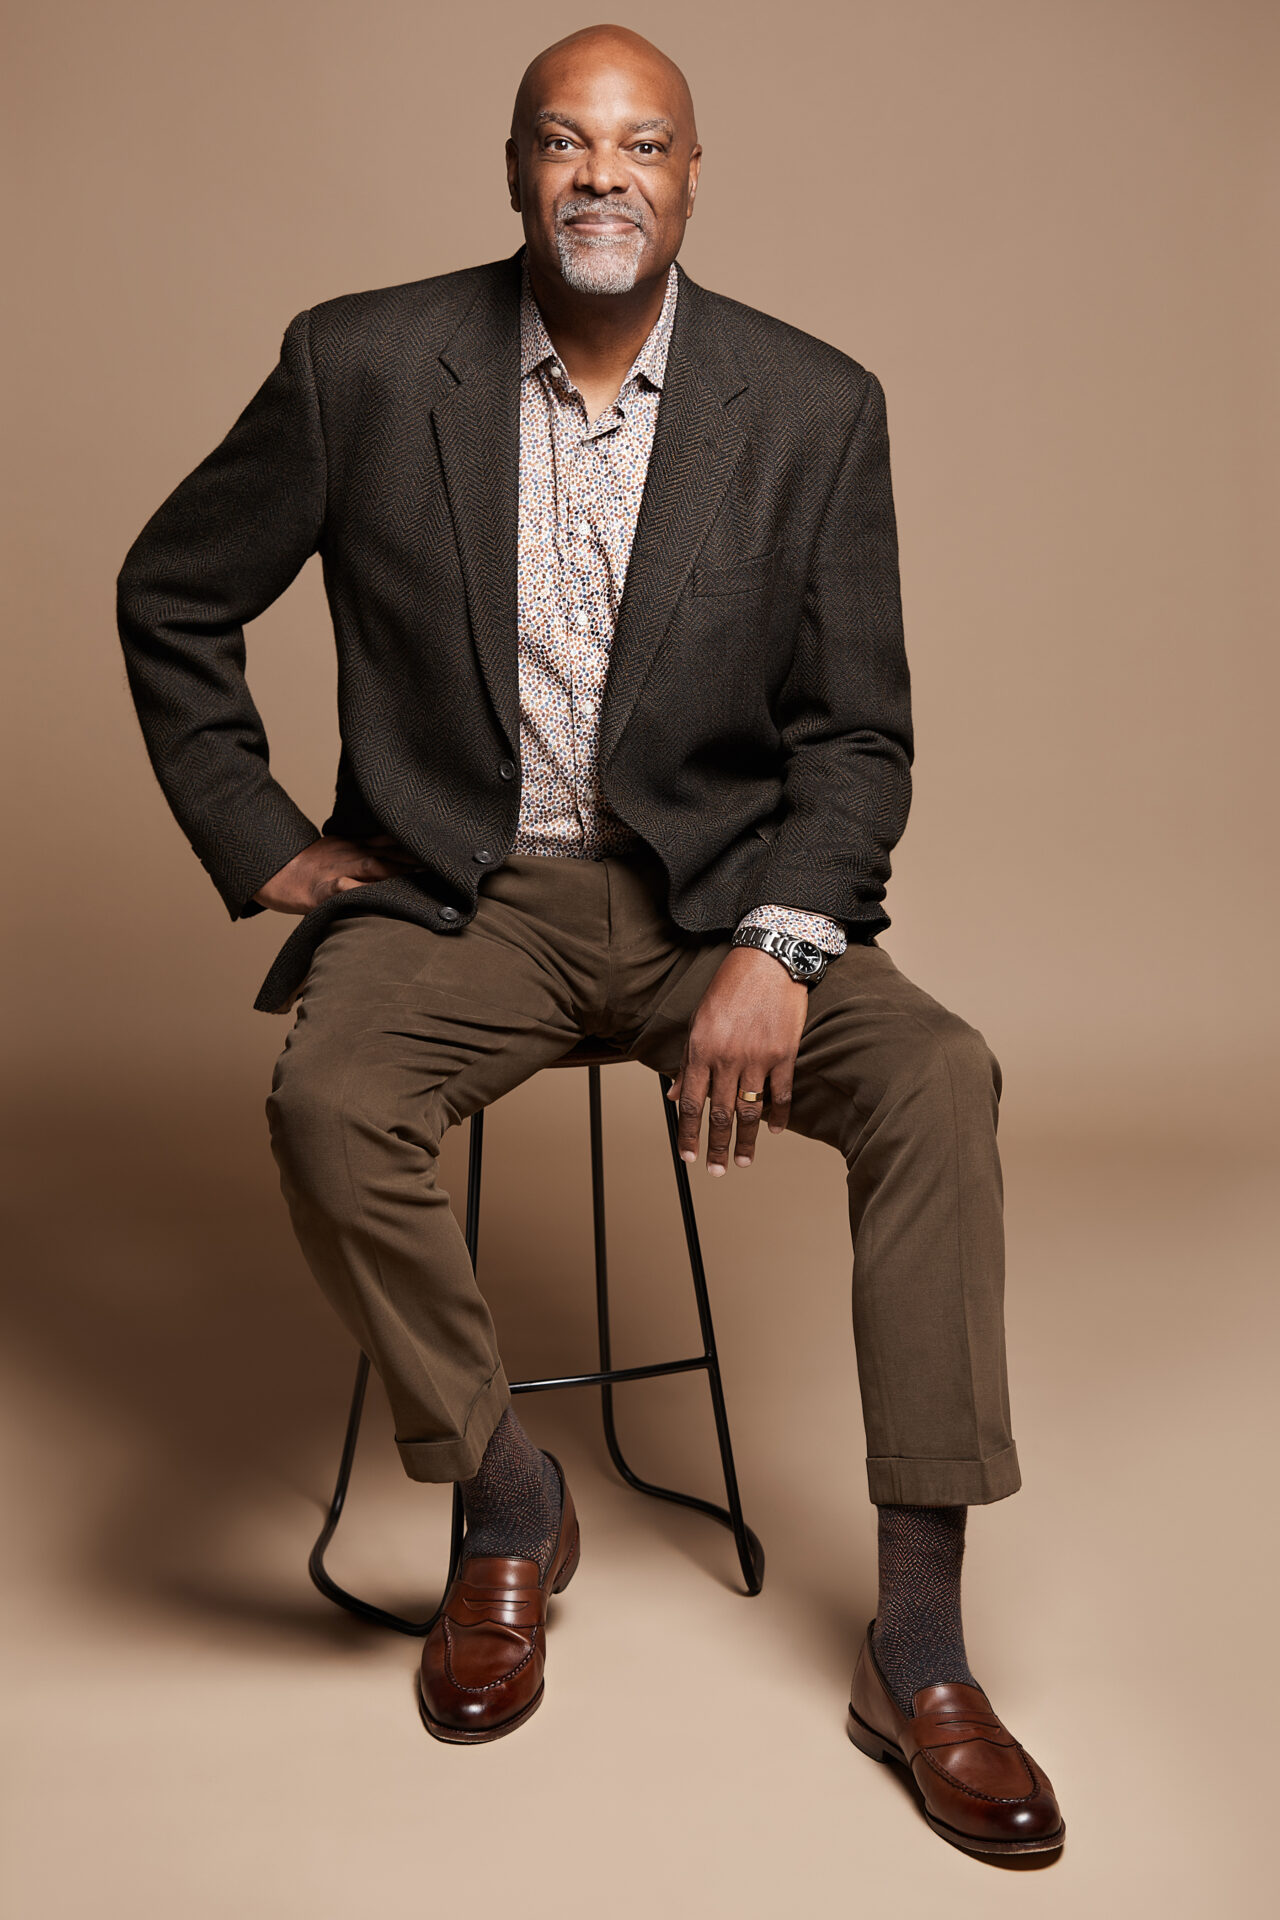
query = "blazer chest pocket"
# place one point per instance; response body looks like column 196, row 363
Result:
column 744, row 576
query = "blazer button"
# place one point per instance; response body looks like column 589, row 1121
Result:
column 507, row 768
column 482, row 856
column 448, row 913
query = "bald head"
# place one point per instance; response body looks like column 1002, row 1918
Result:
column 600, row 49
column 602, row 164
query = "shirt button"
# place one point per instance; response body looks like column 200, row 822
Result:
column 579, row 619
column 482, row 856
column 448, row 913
column 507, row 769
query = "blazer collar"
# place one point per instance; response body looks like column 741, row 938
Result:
column 489, row 329
column 700, row 338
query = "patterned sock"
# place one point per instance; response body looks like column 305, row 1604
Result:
column 512, row 1501
column 918, row 1638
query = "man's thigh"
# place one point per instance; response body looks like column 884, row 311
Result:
column 868, row 1030
column 395, row 1020
column 659, row 1043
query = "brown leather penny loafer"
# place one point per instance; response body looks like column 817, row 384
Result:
column 981, row 1789
column 482, row 1662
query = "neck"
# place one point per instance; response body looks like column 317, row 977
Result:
column 597, row 334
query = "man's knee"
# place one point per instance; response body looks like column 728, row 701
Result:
column 330, row 1102
column 950, row 1067
column 923, row 1078
column 307, row 1108
column 324, row 1115
column 970, row 1061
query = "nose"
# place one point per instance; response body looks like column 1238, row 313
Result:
column 600, row 171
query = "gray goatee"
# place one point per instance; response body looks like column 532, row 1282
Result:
column 599, row 262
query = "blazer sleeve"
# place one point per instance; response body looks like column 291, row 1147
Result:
column 225, row 544
column 845, row 707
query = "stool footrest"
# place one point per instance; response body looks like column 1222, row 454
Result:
column 612, row 1375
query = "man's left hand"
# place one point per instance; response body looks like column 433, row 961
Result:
column 742, row 1039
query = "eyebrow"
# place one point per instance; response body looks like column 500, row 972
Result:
column 659, row 123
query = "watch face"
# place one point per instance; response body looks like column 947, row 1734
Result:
column 806, row 957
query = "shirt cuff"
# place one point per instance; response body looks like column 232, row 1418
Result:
column 825, row 934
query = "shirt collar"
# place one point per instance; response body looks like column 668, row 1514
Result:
column 650, row 363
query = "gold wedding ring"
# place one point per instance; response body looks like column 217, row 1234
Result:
column 749, row 1096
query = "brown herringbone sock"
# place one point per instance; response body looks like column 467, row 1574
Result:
column 512, row 1501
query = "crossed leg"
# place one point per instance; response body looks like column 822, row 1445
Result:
column 401, row 1034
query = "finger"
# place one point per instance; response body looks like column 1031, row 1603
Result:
column 780, row 1095
column 753, row 1080
column 677, row 1078
column 369, row 871
column 695, row 1081
column 389, row 848
column 724, row 1088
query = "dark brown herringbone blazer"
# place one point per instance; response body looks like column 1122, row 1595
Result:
column 756, row 723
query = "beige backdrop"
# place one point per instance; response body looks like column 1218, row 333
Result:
column 1040, row 225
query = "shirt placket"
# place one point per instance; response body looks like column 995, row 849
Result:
column 586, row 609
column 583, row 615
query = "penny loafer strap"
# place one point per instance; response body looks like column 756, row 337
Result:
column 929, row 1731
column 505, row 1606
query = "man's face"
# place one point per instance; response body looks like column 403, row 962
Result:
column 603, row 168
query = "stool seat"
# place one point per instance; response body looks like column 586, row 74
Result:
column 592, row 1052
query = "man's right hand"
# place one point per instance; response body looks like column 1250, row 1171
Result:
column 330, row 866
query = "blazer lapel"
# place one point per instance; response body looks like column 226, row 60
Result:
column 477, row 429
column 695, row 445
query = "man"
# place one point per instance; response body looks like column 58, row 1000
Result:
column 662, row 814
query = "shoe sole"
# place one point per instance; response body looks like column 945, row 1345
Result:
column 876, row 1747
column 480, row 1736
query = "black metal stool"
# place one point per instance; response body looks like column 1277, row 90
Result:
column 592, row 1054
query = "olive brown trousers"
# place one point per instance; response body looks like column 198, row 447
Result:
column 402, row 1032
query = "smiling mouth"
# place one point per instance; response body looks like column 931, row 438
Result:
column 601, row 223
column 603, row 229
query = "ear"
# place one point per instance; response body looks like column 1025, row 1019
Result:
column 695, row 168
column 513, row 174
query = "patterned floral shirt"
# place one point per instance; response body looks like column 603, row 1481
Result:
column 581, row 483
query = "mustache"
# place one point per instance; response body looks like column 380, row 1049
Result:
column 572, row 208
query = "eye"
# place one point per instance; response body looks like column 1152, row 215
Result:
column 649, row 146
column 558, row 140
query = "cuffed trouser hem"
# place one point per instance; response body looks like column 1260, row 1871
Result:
column 439, row 1460
column 894, row 1482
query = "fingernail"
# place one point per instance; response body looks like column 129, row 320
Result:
column 714, row 1168
column 740, row 1160
column 690, row 1157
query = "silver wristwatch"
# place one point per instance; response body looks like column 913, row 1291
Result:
column 802, row 960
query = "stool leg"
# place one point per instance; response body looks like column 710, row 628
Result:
column 320, row 1575
column 750, row 1551
column 315, row 1565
